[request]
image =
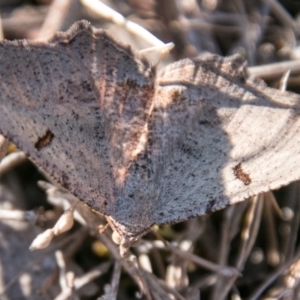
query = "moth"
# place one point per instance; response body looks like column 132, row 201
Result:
column 140, row 146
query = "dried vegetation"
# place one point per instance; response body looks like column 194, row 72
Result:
column 247, row 251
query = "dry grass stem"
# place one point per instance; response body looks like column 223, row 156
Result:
column 54, row 19
column 272, row 247
column 111, row 290
column 89, row 276
column 222, row 270
column 284, row 81
column 108, row 13
column 249, row 250
column 282, row 15
column 10, row 161
column 280, row 271
column 49, row 251
column 4, row 144
column 20, row 215
column 275, row 70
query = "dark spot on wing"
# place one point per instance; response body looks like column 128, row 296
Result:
column 44, row 140
column 241, row 175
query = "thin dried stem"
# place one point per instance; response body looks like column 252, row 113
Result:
column 4, row 144
column 226, row 235
column 89, row 276
column 47, row 252
column 1, row 29
column 222, row 270
column 269, row 196
column 54, row 19
column 272, row 251
column 62, row 271
column 257, row 293
column 108, row 13
column 231, row 223
column 156, row 289
column 250, row 230
column 112, row 289
column 131, row 268
column 248, row 236
column 11, row 160
column 275, row 70
column 280, row 12
column 284, row 80
column 18, row 215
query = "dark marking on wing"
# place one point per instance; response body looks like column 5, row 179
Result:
column 44, row 141
column 241, row 175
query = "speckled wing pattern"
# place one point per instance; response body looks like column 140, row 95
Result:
column 218, row 138
column 214, row 139
column 78, row 106
column 140, row 147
